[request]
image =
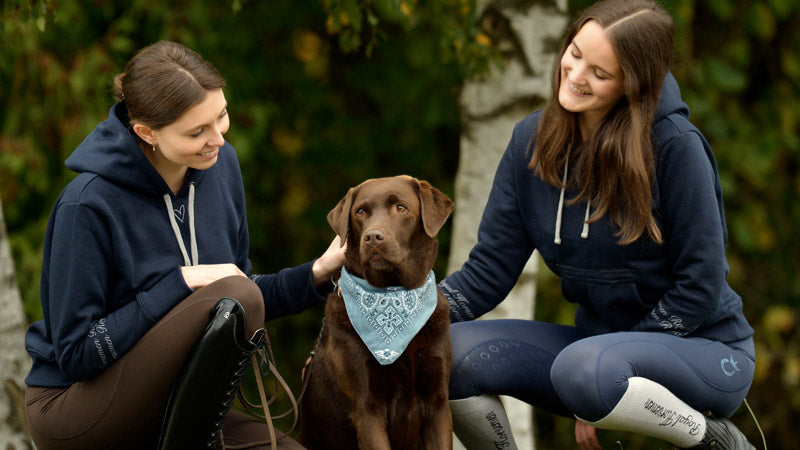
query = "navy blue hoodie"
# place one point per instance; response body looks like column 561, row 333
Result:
column 112, row 256
column 679, row 287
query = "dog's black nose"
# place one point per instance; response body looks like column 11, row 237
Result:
column 373, row 237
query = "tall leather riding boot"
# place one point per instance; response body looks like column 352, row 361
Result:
column 209, row 380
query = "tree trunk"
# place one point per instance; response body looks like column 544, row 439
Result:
column 14, row 360
column 528, row 34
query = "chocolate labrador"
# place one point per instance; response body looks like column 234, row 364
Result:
column 379, row 375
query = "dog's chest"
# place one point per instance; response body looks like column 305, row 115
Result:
column 387, row 320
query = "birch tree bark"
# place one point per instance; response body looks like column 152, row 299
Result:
column 14, row 360
column 528, row 33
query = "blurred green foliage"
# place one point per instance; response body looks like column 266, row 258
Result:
column 326, row 93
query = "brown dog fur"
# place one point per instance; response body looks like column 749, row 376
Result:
column 352, row 401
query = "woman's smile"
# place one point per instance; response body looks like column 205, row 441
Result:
column 576, row 90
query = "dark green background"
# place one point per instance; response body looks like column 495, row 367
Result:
column 326, row 93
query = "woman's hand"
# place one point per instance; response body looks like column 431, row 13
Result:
column 205, row 274
column 329, row 263
column 586, row 436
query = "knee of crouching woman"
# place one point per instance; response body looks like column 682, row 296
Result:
column 248, row 294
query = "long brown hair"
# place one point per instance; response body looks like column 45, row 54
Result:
column 614, row 168
column 162, row 81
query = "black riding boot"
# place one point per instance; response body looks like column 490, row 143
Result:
column 209, row 380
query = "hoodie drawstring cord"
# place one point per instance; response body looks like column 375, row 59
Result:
column 177, row 231
column 585, row 232
column 559, row 212
column 557, row 238
column 192, row 234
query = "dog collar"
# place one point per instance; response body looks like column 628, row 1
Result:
column 386, row 319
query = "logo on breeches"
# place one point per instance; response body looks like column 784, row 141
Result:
column 729, row 366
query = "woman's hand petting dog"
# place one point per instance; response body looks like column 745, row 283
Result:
column 329, row 263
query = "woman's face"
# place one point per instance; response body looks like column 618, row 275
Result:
column 195, row 138
column 591, row 78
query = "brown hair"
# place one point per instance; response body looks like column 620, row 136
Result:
column 614, row 168
column 162, row 81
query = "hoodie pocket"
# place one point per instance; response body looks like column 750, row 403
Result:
column 610, row 297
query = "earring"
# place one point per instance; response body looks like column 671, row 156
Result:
column 154, row 148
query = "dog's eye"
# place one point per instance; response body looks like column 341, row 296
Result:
column 360, row 212
column 401, row 208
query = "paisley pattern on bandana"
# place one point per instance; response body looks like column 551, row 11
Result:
column 386, row 319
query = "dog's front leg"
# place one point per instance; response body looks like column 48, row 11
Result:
column 437, row 430
column 437, row 427
column 438, row 433
column 369, row 420
column 366, row 414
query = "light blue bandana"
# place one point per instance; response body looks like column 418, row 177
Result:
column 387, row 319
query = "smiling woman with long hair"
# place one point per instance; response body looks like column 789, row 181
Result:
column 620, row 195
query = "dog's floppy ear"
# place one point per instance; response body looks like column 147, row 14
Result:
column 339, row 217
column 436, row 207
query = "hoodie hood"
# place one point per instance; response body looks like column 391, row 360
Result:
column 112, row 152
column 670, row 100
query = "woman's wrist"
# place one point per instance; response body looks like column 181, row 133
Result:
column 328, row 264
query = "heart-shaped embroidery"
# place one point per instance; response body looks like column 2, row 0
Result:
column 180, row 212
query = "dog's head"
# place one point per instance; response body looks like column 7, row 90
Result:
column 390, row 226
